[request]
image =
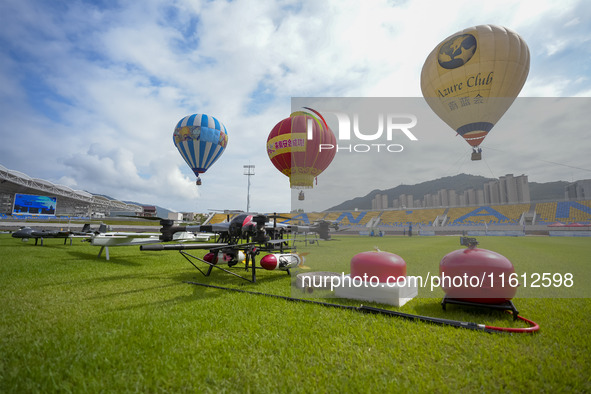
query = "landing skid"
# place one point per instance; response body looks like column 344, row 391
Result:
column 250, row 263
column 314, row 239
column 106, row 248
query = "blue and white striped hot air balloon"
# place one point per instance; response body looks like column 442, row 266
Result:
column 201, row 139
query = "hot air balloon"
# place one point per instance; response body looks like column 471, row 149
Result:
column 294, row 148
column 472, row 77
column 201, row 139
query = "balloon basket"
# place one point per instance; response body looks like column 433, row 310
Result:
column 476, row 156
column 505, row 305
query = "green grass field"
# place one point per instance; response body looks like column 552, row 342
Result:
column 70, row 322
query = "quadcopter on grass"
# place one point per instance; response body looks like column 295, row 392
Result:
column 238, row 240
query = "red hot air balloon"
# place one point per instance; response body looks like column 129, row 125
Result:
column 295, row 148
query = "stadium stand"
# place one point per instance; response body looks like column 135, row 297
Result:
column 513, row 212
column 306, row 218
column 546, row 212
column 426, row 216
column 464, row 216
column 563, row 212
column 217, row 218
column 394, row 218
column 496, row 214
column 504, row 215
column 508, row 214
column 358, row 218
column 398, row 218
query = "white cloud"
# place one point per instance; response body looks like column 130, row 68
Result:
column 114, row 172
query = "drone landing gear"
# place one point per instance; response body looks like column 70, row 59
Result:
column 314, row 239
column 106, row 248
column 506, row 306
column 250, row 262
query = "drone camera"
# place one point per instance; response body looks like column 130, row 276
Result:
column 468, row 242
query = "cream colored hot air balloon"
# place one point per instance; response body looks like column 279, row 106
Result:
column 472, row 77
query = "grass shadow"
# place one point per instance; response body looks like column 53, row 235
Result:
column 133, row 291
column 95, row 258
column 198, row 293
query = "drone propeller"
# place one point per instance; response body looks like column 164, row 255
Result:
column 275, row 216
column 303, row 259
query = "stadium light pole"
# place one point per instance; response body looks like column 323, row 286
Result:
column 248, row 171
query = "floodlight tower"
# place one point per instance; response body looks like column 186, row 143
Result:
column 248, row 171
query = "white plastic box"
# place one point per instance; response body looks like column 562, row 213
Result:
column 393, row 293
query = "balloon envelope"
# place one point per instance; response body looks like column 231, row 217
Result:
column 201, row 139
column 472, row 77
column 297, row 154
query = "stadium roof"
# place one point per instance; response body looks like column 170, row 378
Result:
column 13, row 181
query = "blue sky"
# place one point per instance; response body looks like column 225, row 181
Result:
column 91, row 91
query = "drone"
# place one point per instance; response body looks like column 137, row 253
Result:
column 26, row 233
column 240, row 239
column 320, row 228
column 104, row 239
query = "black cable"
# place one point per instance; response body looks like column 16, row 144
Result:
column 365, row 309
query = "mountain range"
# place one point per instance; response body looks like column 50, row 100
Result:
column 459, row 183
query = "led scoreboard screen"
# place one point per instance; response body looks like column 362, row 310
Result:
column 33, row 205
